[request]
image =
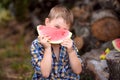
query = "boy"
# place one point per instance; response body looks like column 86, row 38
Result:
column 56, row 61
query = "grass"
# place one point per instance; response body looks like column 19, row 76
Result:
column 23, row 68
column 15, row 60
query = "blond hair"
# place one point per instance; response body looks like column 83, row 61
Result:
column 60, row 11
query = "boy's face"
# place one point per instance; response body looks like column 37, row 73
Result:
column 58, row 23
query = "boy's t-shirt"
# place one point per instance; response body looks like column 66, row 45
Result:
column 60, row 69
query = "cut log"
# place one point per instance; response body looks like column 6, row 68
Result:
column 99, row 14
column 81, row 11
column 113, row 61
column 81, row 29
column 105, row 26
column 92, row 62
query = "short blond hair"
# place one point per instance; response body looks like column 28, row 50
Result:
column 60, row 11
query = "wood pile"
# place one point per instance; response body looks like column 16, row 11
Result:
column 113, row 61
column 105, row 25
column 98, row 23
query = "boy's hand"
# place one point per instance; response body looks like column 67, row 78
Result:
column 68, row 44
column 44, row 40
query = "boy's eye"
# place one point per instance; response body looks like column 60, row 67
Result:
column 57, row 27
column 65, row 29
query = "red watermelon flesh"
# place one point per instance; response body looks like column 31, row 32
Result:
column 56, row 35
column 116, row 44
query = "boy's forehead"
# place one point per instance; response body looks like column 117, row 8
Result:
column 61, row 22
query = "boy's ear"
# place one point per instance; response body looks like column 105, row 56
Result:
column 47, row 21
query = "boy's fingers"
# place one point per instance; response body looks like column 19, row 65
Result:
column 40, row 36
column 47, row 36
column 63, row 43
column 44, row 38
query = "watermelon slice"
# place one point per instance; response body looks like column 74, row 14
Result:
column 56, row 35
column 116, row 44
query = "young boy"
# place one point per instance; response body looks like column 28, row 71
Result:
column 56, row 61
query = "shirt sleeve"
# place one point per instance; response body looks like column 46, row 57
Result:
column 37, row 55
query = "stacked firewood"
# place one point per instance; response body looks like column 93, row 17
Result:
column 113, row 61
column 98, row 23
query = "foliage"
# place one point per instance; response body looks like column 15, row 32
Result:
column 5, row 16
column 21, row 8
column 4, row 3
column 15, row 60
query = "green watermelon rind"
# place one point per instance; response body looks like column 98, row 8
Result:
column 54, row 42
column 115, row 46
